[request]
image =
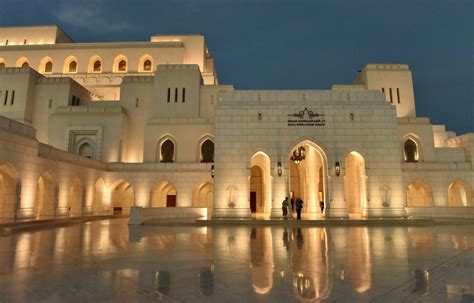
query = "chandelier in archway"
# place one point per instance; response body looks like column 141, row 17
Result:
column 298, row 155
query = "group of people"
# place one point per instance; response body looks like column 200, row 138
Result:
column 290, row 205
column 295, row 204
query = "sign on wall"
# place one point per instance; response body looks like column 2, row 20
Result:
column 306, row 117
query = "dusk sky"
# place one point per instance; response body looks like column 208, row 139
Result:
column 295, row 44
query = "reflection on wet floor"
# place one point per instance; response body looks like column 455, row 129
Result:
column 107, row 261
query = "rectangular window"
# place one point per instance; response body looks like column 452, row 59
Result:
column 398, row 95
column 6, row 98
column 12, row 101
column 73, row 102
column 136, row 102
column 383, row 92
column 50, row 103
column 6, row 42
column 390, row 91
column 78, row 101
column 183, row 97
column 176, row 95
column 169, row 94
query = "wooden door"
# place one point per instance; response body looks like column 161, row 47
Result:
column 171, row 201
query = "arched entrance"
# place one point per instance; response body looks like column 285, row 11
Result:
column 355, row 183
column 98, row 202
column 260, row 184
column 8, row 191
column 46, row 195
column 163, row 195
column 459, row 194
column 75, row 197
column 203, row 197
column 419, row 194
column 308, row 177
column 122, row 197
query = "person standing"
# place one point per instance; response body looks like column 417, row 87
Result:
column 284, row 207
column 299, row 208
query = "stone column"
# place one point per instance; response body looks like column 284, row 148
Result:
column 336, row 206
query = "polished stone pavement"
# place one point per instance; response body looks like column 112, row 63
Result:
column 106, row 261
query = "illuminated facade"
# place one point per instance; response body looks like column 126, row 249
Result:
column 90, row 128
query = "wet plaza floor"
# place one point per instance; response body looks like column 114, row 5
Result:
column 106, row 261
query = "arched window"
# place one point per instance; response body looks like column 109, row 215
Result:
column 25, row 64
column 167, row 151
column 48, row 67
column 72, row 67
column 122, row 66
column 2, row 64
column 207, row 151
column 97, row 66
column 147, row 65
column 410, row 151
column 85, row 150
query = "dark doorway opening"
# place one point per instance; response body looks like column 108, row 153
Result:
column 253, row 201
column 171, row 201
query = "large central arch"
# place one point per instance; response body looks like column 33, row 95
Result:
column 308, row 179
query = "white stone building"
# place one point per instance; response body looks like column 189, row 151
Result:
column 89, row 128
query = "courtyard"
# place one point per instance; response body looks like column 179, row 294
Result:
column 109, row 261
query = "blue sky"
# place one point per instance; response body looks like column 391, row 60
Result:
column 295, row 44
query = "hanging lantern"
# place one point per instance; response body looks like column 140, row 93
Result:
column 298, row 155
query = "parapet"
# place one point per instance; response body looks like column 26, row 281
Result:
column 387, row 67
column 177, row 67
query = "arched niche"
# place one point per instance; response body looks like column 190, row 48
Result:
column 46, row 65
column 203, row 196
column 70, row 65
column 412, row 149
column 120, row 64
column 95, row 64
column 459, row 193
column 145, row 64
column 46, row 195
column 122, row 197
column 22, row 62
column 98, row 201
column 166, row 149
column 163, row 194
column 76, row 197
column 355, row 183
column 8, row 191
column 260, row 183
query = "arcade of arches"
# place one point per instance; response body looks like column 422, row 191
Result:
column 46, row 195
column 122, row 197
column 163, row 195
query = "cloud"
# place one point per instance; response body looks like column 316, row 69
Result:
column 91, row 15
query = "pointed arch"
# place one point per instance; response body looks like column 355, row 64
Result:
column 22, row 62
column 120, row 64
column 166, row 149
column 46, row 195
column 163, row 194
column 86, row 148
column 206, row 149
column 419, row 194
column 9, row 194
column 122, row 197
column 260, row 183
column 459, row 193
column 2, row 63
column 71, row 65
column 309, row 178
column 145, row 64
column 203, row 196
column 412, row 148
column 355, row 183
column 76, row 197
column 98, row 200
column 46, row 65
column 95, row 64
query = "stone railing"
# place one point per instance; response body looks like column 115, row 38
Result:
column 462, row 212
column 138, row 215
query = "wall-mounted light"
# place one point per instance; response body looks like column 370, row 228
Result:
column 212, row 171
column 338, row 168
column 279, row 169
